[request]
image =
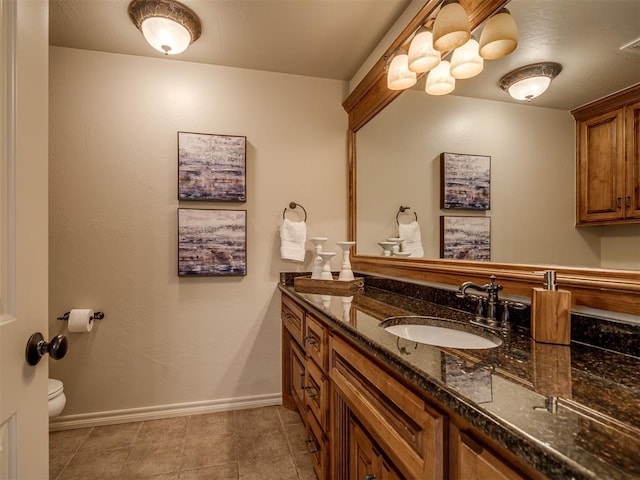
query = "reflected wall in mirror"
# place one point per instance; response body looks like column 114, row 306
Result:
column 532, row 152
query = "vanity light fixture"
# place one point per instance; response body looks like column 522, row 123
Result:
column 422, row 56
column 167, row 25
column 466, row 61
column 451, row 28
column 499, row 37
column 530, row 81
column 439, row 80
column 399, row 77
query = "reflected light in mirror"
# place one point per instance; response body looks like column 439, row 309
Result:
column 439, row 80
column 399, row 77
column 422, row 56
column 466, row 62
column 499, row 37
column 451, row 28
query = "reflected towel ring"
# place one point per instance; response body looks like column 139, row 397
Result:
column 292, row 206
column 403, row 210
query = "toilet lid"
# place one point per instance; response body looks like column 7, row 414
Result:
column 55, row 387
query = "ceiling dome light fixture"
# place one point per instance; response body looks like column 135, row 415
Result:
column 451, row 28
column 422, row 56
column 530, row 81
column 169, row 26
column 399, row 77
column 499, row 37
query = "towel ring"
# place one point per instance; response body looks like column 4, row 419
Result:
column 403, row 210
column 292, row 206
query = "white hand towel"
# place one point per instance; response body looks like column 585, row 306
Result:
column 412, row 240
column 293, row 236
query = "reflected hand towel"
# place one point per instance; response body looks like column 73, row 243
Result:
column 412, row 240
column 293, row 236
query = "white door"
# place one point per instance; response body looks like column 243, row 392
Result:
column 23, row 236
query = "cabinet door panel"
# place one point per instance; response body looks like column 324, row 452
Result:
column 632, row 132
column 362, row 462
column 297, row 380
column 315, row 341
column 316, row 393
column 293, row 319
column 474, row 462
column 600, row 190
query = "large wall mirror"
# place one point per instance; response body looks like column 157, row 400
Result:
column 395, row 157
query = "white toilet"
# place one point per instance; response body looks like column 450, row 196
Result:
column 57, row 400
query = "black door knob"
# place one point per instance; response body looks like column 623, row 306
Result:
column 37, row 348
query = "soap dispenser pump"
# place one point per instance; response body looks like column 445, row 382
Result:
column 551, row 312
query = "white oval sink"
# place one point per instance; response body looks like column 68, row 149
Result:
column 440, row 332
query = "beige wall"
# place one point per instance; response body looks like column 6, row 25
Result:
column 169, row 341
column 532, row 154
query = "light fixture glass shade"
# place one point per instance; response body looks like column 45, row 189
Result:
column 499, row 37
column 451, row 28
column 168, row 25
column 529, row 88
column 422, row 56
column 530, row 81
column 165, row 35
column 399, row 77
column 466, row 62
column 439, row 80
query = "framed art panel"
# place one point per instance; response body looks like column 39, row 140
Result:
column 465, row 238
column 211, row 167
column 465, row 181
column 212, row 242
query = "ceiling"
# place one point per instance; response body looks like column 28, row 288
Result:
column 318, row 38
column 333, row 38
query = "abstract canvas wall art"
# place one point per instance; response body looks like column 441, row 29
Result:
column 211, row 167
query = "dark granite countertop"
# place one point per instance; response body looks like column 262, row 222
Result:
column 569, row 411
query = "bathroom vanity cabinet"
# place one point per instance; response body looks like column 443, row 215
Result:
column 608, row 159
column 364, row 422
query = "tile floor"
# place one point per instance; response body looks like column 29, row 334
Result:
column 263, row 443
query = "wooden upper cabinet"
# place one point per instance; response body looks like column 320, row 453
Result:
column 608, row 173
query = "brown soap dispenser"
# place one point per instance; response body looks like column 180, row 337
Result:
column 551, row 312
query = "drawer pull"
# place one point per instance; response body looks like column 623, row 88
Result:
column 627, row 201
column 311, row 340
column 311, row 446
column 312, row 392
column 618, row 202
column 370, row 476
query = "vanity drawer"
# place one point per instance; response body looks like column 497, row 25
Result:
column 404, row 425
column 317, row 446
column 317, row 394
column 315, row 341
column 293, row 319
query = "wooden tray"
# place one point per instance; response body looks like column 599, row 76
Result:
column 342, row 288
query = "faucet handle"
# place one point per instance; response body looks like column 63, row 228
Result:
column 505, row 309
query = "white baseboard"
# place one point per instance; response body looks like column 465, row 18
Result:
column 86, row 420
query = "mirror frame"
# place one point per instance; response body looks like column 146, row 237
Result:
column 613, row 290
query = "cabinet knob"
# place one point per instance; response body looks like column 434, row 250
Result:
column 311, row 340
column 627, row 201
column 370, row 476
column 618, row 202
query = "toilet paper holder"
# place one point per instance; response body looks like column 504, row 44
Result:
column 96, row 316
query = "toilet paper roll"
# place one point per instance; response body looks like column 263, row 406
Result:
column 81, row 320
